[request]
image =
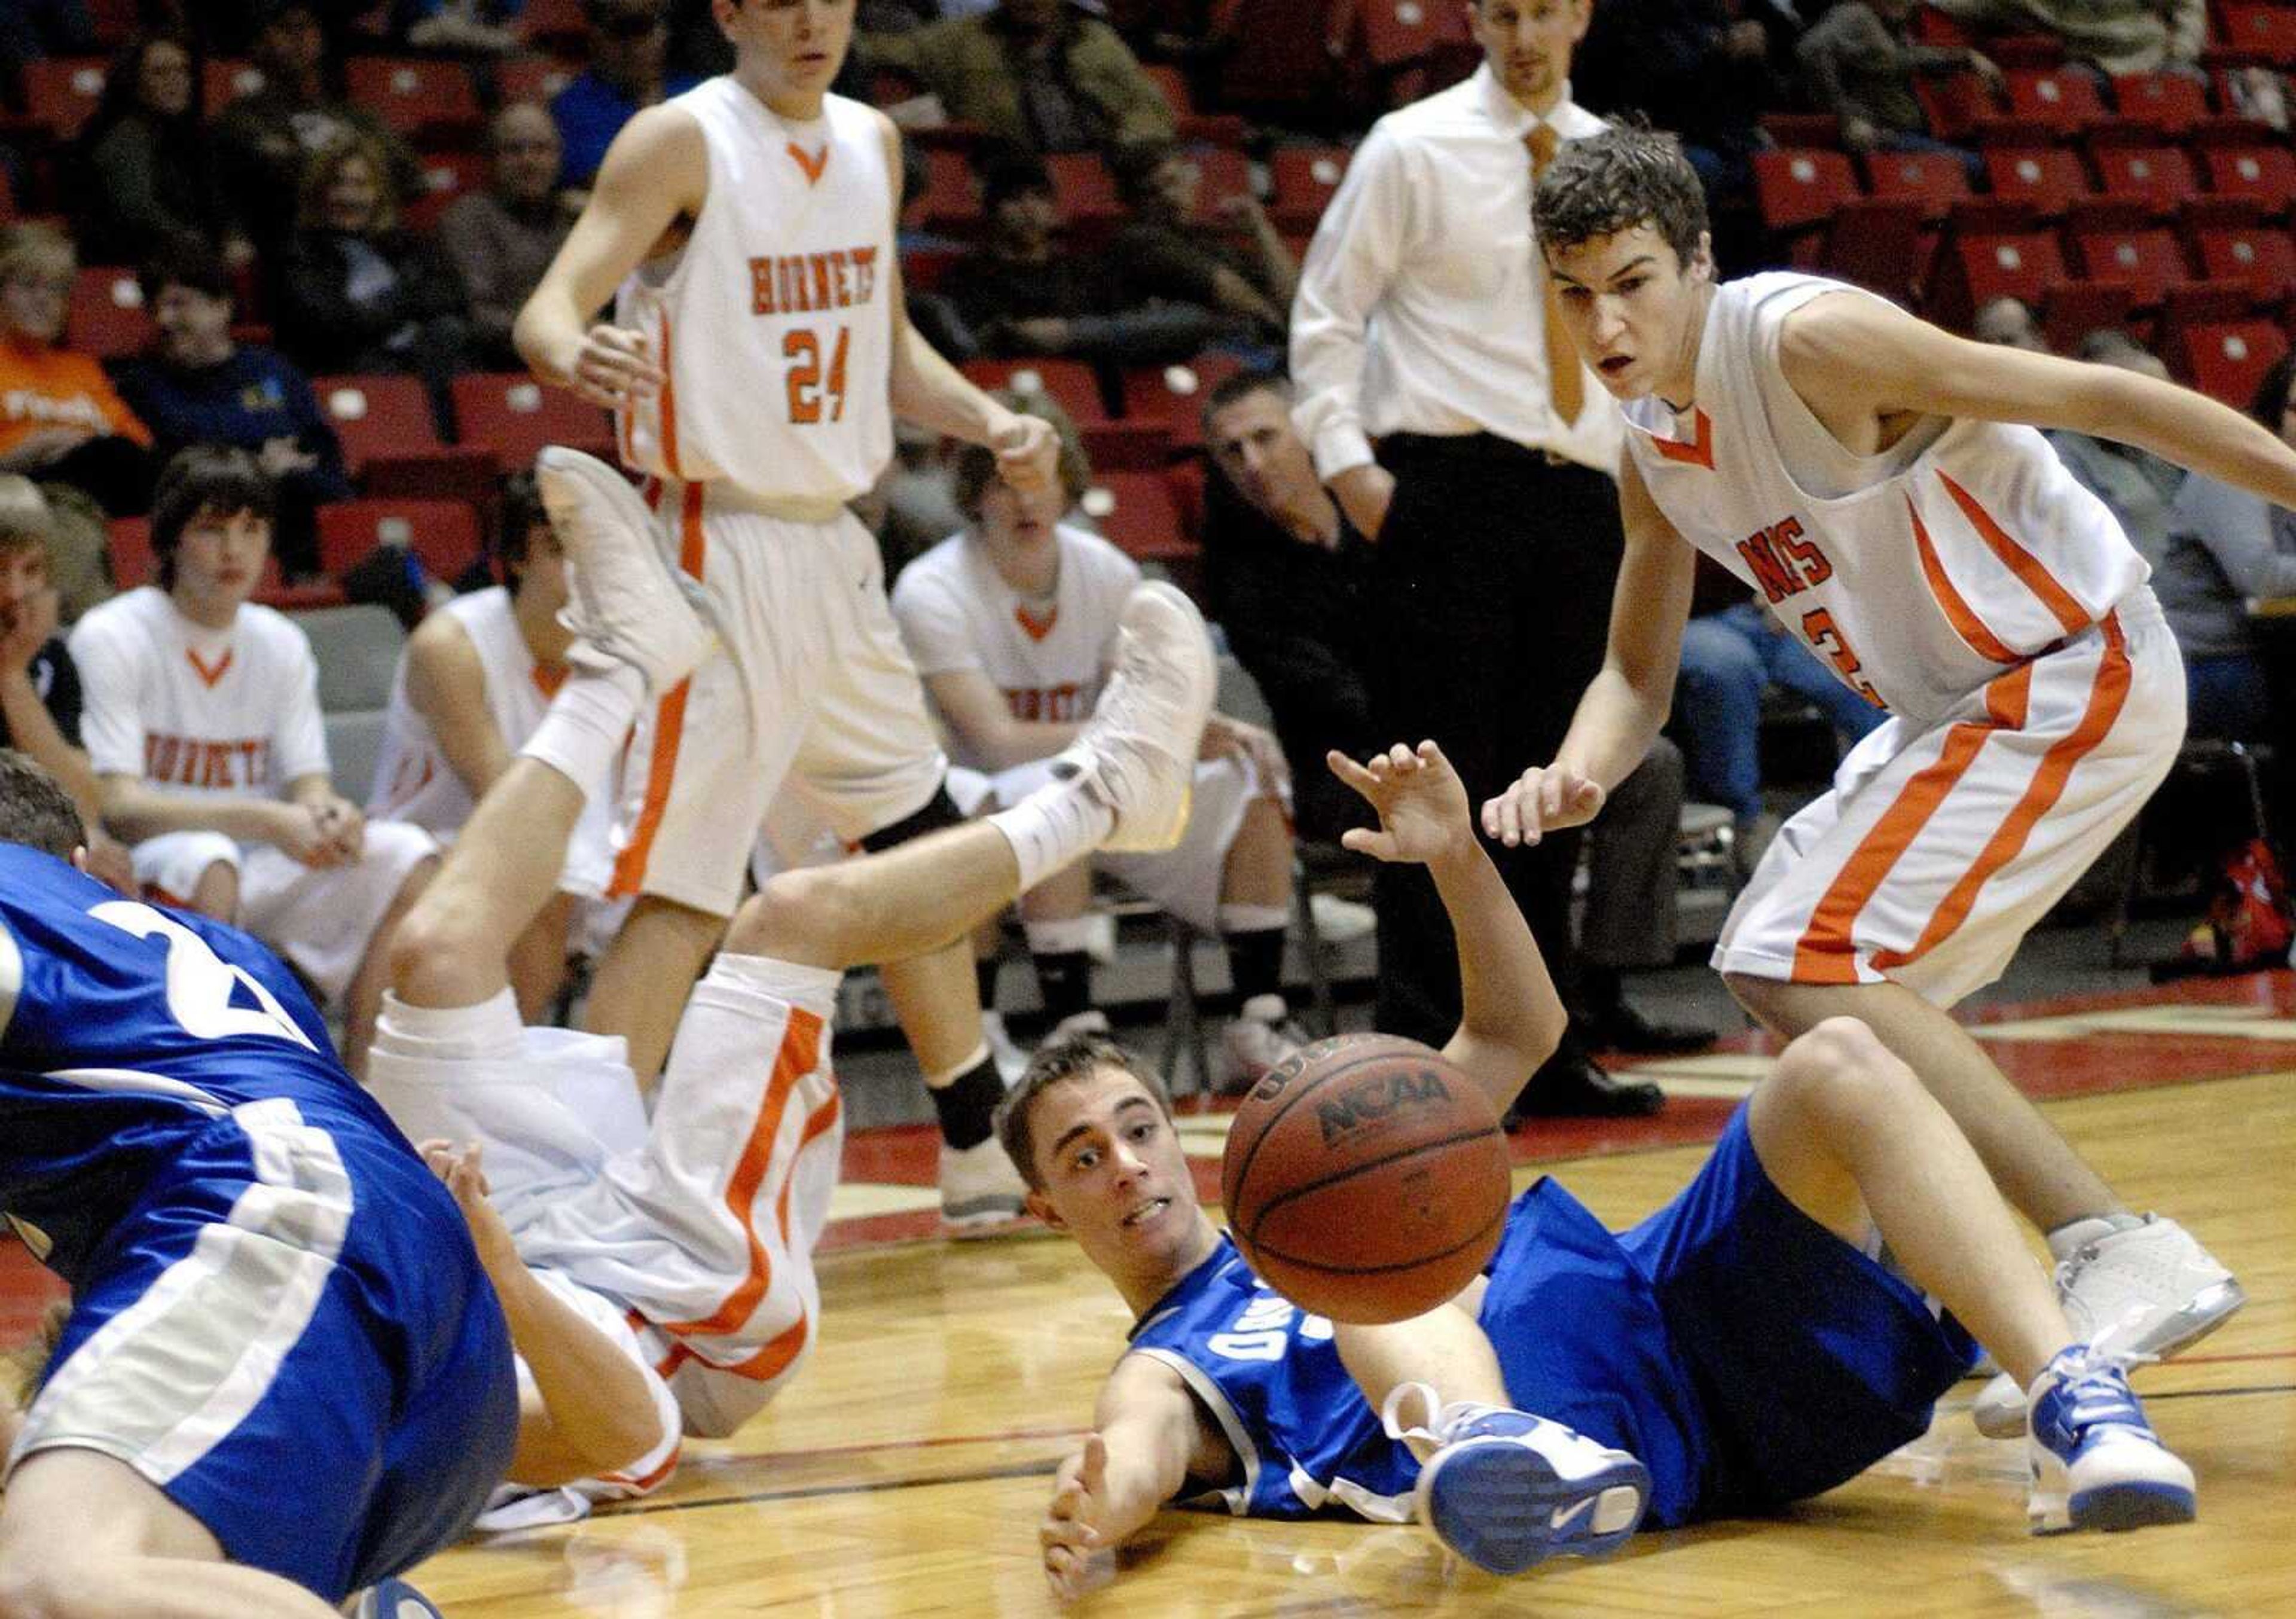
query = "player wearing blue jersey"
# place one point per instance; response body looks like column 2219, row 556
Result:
column 1743, row 1343
column 283, row 1377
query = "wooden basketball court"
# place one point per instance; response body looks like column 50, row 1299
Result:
column 905, row 1470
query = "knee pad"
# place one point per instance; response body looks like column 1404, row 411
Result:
column 939, row 811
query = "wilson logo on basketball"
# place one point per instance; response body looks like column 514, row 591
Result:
column 1374, row 1099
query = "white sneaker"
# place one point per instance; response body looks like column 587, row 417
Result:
column 1005, row 1052
column 625, row 602
column 980, row 1191
column 2096, row 1463
column 1091, row 1021
column 2142, row 1292
column 1342, row 921
column 1137, row 754
column 391, row 1599
column 1260, row 1036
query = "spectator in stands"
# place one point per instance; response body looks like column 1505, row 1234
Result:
column 1038, row 73
column 1697, row 67
column 356, row 291
column 1288, row 580
column 629, row 42
column 2010, row 322
column 39, row 685
column 2137, row 485
column 203, row 725
column 146, row 172
column 30, row 29
column 2111, row 36
column 1165, row 252
column 1024, row 293
column 2226, row 547
column 60, row 421
column 500, row 239
column 200, row 386
column 472, row 685
column 1858, row 62
column 264, row 139
column 1012, row 624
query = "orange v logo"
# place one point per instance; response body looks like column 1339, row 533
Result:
column 814, row 163
column 209, row 676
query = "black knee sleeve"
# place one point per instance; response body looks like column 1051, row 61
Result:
column 939, row 811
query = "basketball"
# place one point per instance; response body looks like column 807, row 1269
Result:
column 1365, row 1178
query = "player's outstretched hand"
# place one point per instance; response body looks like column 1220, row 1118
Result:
column 1076, row 1561
column 1027, row 452
column 1546, row 798
column 1422, row 804
column 463, row 1169
column 614, row 366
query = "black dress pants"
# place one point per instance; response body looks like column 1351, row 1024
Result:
column 1491, row 603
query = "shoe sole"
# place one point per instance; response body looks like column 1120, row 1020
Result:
column 2210, row 1309
column 2117, row 1508
column 1504, row 1508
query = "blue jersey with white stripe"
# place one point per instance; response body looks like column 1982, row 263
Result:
column 122, row 1028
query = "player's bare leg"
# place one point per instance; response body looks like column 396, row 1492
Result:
column 538, row 961
column 903, row 902
column 216, row 893
column 937, row 1001
column 640, row 989
column 1258, row 869
column 84, row 1536
column 362, row 996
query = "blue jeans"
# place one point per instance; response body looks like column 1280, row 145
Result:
column 1728, row 659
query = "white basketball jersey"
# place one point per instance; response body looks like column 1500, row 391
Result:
column 412, row 780
column 956, row 612
column 1916, row 575
column 195, row 710
column 774, row 323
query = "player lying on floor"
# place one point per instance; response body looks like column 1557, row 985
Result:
column 1744, row 1342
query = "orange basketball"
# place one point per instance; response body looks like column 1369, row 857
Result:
column 1365, row 1178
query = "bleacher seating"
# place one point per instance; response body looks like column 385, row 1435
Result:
column 106, row 316
column 2047, row 178
column 442, row 534
column 513, row 415
column 419, row 96
column 1071, row 383
column 2229, row 360
column 390, row 442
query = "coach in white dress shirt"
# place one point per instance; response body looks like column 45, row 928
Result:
column 1423, row 325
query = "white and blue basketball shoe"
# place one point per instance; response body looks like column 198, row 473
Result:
column 392, row 1599
column 1506, row 1490
column 2096, row 1463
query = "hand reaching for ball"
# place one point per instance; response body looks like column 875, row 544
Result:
column 1421, row 805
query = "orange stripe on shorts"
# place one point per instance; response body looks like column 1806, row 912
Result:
column 668, row 730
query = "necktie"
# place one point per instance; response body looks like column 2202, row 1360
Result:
column 1564, row 385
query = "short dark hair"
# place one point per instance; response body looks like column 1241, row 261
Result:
column 1629, row 175
column 35, row 810
column 521, row 511
column 184, row 261
column 976, row 463
column 205, row 478
column 2271, row 400
column 1071, row 1056
column 1242, row 385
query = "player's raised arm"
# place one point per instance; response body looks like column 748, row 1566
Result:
column 1146, row 1432
column 656, row 172
column 1853, row 359
column 1510, row 1018
column 1628, row 701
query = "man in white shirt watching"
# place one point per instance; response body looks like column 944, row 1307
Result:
column 1490, row 499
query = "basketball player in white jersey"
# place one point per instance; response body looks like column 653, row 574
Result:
column 472, row 684
column 1012, row 623
column 1883, row 483
column 756, row 356
column 202, row 722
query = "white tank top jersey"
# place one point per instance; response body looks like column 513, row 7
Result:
column 194, row 709
column 956, row 612
column 1916, row 574
column 774, row 322
column 412, row 780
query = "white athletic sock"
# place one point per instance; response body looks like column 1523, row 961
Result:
column 2068, row 1237
column 587, row 725
column 1056, row 826
column 935, row 1081
column 1068, row 935
column 490, row 1029
column 1251, row 918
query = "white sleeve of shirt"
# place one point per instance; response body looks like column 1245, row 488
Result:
column 933, row 622
column 299, row 741
column 103, row 647
column 1358, row 248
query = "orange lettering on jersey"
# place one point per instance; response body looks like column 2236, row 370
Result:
column 1815, row 569
column 823, row 296
column 761, row 287
column 793, row 278
column 814, row 163
column 1037, row 629
column 865, row 274
column 841, row 271
column 159, row 757
column 1048, row 702
column 1771, row 574
column 208, row 677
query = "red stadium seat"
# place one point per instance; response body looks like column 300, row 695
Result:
column 1226, row 173
column 1072, row 384
column 7, row 197
column 1934, row 179
column 1958, row 106
column 533, row 78
column 1932, row 27
column 1399, row 31
column 2227, row 361
column 446, row 175
column 1796, row 189
column 950, row 202
column 1790, row 129
column 226, row 79
column 513, row 415
column 1175, row 395
column 2170, row 102
column 106, row 317
column 2148, row 262
column 443, row 534
column 2159, row 176
column 555, row 20
column 1174, row 84
column 1305, row 178
column 2065, row 99
column 1126, row 446
column 1976, row 268
column 1086, row 189
column 132, row 561
column 1878, row 243
column 2266, row 175
column 1136, row 514
column 415, row 94
column 390, row 444
column 2261, row 259
column 59, row 93
column 2048, row 177
column 2266, row 29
